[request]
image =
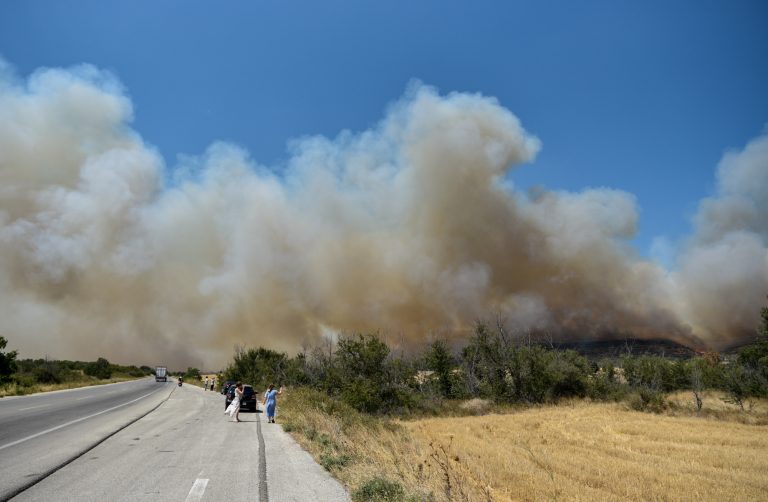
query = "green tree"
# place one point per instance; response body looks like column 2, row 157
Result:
column 361, row 372
column 260, row 367
column 507, row 371
column 47, row 371
column 438, row 359
column 755, row 355
column 736, row 385
column 192, row 374
column 101, row 369
column 7, row 362
column 754, row 359
column 366, row 379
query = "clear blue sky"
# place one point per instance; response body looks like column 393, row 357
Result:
column 641, row 96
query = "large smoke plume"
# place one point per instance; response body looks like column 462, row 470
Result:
column 411, row 227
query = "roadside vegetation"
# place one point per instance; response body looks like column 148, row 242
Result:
column 511, row 417
column 28, row 376
column 575, row 450
column 505, row 369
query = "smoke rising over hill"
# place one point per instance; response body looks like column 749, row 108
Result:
column 411, row 227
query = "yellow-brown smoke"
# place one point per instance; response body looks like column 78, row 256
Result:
column 409, row 227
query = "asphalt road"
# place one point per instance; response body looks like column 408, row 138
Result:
column 41, row 432
column 187, row 450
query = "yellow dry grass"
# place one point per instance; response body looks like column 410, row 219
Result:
column 574, row 451
column 587, row 451
column 716, row 405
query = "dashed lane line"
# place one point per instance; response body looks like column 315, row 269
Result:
column 197, row 490
column 33, row 481
column 33, row 407
column 71, row 422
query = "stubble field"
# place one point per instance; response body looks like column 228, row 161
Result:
column 599, row 452
column 573, row 451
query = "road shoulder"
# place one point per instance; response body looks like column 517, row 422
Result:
column 292, row 473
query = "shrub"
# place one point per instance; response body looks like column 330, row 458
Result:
column 439, row 359
column 531, row 373
column 647, row 399
column 7, row 362
column 100, row 369
column 261, row 367
column 604, row 385
column 331, row 462
column 47, row 373
column 379, row 490
column 364, row 377
column 23, row 380
column 192, row 374
column 737, row 384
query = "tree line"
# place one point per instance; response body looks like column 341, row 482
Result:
column 26, row 373
column 503, row 367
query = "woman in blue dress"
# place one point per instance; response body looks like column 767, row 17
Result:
column 270, row 402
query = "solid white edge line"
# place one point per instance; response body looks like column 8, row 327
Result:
column 198, row 488
column 33, row 436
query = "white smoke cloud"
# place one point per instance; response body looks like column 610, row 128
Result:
column 724, row 269
column 408, row 227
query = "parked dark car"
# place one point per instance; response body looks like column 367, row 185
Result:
column 247, row 403
column 226, row 385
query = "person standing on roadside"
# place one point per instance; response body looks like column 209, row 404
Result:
column 234, row 407
column 270, row 402
column 213, row 383
column 205, row 387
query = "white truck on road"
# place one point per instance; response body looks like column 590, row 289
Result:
column 161, row 374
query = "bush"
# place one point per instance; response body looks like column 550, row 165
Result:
column 192, row 374
column 23, row 380
column 532, row 373
column 439, row 359
column 330, row 461
column 7, row 362
column 379, row 490
column 100, row 369
column 604, row 385
column 365, row 379
column 647, row 399
column 48, row 373
column 737, row 383
column 261, row 367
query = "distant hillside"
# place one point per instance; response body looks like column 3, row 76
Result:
column 596, row 349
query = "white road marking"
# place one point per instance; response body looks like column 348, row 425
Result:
column 33, row 436
column 86, row 397
column 33, row 407
column 196, row 493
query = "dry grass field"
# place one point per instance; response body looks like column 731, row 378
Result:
column 574, row 451
column 601, row 452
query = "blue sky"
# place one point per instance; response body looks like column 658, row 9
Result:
column 639, row 96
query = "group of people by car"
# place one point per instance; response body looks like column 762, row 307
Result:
column 239, row 396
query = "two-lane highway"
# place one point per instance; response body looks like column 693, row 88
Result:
column 188, row 450
column 150, row 441
column 39, row 433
